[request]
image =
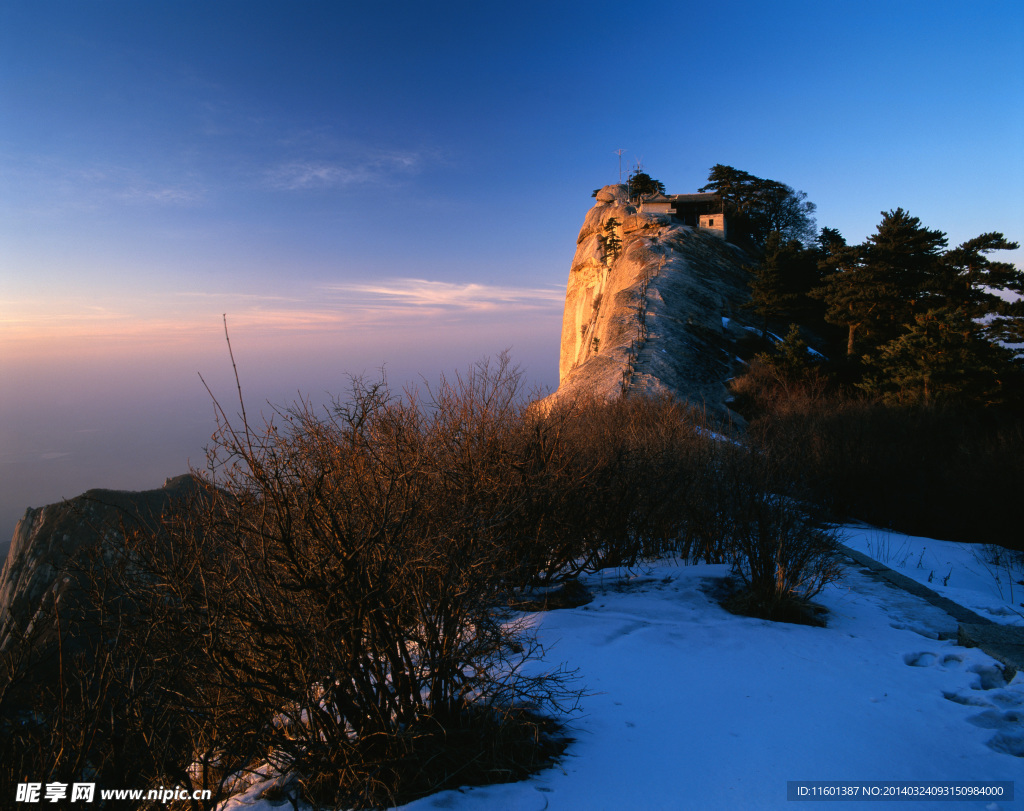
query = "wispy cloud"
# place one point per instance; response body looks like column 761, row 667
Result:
column 296, row 175
column 160, row 194
column 48, row 184
column 339, row 308
column 135, row 186
column 409, row 303
column 359, row 167
column 423, row 294
column 236, row 297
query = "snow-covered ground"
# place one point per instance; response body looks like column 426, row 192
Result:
column 965, row 573
column 690, row 707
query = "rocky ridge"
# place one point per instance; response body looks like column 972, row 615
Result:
column 651, row 306
column 45, row 563
column 659, row 312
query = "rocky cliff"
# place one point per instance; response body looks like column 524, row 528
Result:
column 47, row 553
column 651, row 306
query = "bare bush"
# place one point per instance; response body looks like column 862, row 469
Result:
column 664, row 481
column 653, row 478
column 342, row 582
column 327, row 604
column 783, row 550
column 88, row 694
column 638, row 459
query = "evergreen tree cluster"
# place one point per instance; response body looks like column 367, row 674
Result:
column 611, row 243
column 907, row 319
column 641, row 184
column 757, row 207
column 910, row 320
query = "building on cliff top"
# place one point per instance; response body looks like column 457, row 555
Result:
column 704, row 211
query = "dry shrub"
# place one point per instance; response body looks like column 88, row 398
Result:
column 87, row 693
column 653, row 477
column 343, row 581
column 635, row 459
column 771, row 386
column 782, row 549
column 328, row 603
column 940, row 472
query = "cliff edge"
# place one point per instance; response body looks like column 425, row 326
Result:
column 46, row 565
column 651, row 306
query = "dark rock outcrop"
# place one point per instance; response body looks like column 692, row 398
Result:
column 44, row 567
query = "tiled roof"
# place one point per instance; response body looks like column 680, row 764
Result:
column 709, row 197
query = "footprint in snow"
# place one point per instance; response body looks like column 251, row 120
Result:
column 919, row 659
column 927, row 658
column 996, row 719
column 990, row 677
column 967, row 701
column 1002, row 709
column 1004, row 698
column 625, row 630
column 1008, row 743
column 1009, row 740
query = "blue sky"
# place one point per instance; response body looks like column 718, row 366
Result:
column 401, row 186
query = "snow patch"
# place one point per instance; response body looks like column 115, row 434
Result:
column 689, row 706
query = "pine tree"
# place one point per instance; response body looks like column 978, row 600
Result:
column 909, row 254
column 942, row 357
column 641, row 184
column 848, row 302
column 792, row 359
column 734, row 186
column 757, row 206
column 829, row 245
column 972, row 282
column 610, row 241
column 781, row 281
column 875, row 289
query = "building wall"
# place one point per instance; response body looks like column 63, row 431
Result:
column 656, row 208
column 715, row 223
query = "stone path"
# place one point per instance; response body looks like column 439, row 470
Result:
column 1002, row 642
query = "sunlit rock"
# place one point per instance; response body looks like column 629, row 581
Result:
column 652, row 305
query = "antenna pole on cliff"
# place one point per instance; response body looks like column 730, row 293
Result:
column 619, row 153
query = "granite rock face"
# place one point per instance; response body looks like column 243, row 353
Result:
column 39, row 574
column 660, row 312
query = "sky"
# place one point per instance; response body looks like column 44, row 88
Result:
column 400, row 187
